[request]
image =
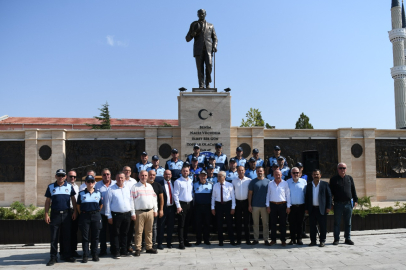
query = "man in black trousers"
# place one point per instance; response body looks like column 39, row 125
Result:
column 318, row 205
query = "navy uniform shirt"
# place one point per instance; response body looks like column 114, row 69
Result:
column 230, row 175
column 221, row 161
column 60, row 195
column 201, row 160
column 259, row 163
column 142, row 167
column 159, row 173
column 174, row 167
column 89, row 201
column 251, row 173
column 194, row 173
column 273, row 160
column 203, row 192
column 212, row 180
column 241, row 162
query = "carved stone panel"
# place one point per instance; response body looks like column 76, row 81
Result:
column 292, row 150
column 390, row 158
column 12, row 161
column 107, row 154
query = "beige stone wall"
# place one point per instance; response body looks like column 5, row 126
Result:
column 11, row 192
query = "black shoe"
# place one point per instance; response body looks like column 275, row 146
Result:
column 95, row 258
column 51, row 262
column 348, row 242
column 255, row 242
column 137, row 253
column 292, row 242
column 233, row 243
column 181, row 246
column 266, row 243
column 336, row 242
column 169, row 246
column 221, row 243
column 207, row 243
column 102, row 253
column 125, row 254
column 84, row 260
column 248, row 242
column 299, row 242
column 152, row 251
column 304, row 235
column 75, row 254
column 187, row 244
column 69, row 259
column 322, row 244
column 238, row 242
column 312, row 244
column 116, row 256
column 198, row 243
column 160, row 246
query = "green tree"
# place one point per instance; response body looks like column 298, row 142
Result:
column 104, row 118
column 303, row 122
column 254, row 119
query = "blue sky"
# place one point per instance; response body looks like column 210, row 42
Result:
column 328, row 59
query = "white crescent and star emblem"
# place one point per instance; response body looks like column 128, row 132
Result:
column 205, row 116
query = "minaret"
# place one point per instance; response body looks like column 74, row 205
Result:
column 397, row 37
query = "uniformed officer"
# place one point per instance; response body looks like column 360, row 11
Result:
column 284, row 169
column 216, row 167
column 89, row 205
column 211, row 178
column 221, row 159
column 301, row 174
column 60, row 193
column 89, row 172
column 239, row 159
column 159, row 170
column 174, row 165
column 195, row 170
column 259, row 161
column 274, row 158
column 232, row 172
column 200, row 157
column 143, row 165
column 251, row 171
column 202, row 194
column 275, row 167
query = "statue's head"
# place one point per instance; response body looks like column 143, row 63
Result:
column 201, row 13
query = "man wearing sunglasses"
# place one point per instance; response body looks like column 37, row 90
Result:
column 60, row 193
column 345, row 198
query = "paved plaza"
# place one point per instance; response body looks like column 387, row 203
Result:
column 384, row 249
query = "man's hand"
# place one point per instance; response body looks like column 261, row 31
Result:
column 155, row 214
column 110, row 221
column 287, row 211
column 327, row 211
column 250, row 209
column 214, row 49
column 74, row 215
column 268, row 209
column 306, row 212
column 133, row 217
column 355, row 204
column 213, row 212
column 232, row 211
column 161, row 213
column 178, row 210
column 47, row 219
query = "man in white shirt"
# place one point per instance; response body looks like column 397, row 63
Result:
column 146, row 208
column 241, row 209
column 183, row 195
column 129, row 182
column 223, row 205
column 118, row 210
column 278, row 205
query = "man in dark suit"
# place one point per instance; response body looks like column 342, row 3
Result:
column 204, row 46
column 169, row 210
column 318, row 205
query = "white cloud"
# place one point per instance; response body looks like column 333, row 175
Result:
column 111, row 42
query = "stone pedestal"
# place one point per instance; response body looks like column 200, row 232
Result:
column 204, row 119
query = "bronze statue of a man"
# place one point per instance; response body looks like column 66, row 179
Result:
column 204, row 47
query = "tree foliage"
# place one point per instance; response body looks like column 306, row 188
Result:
column 303, row 122
column 254, row 119
column 104, row 118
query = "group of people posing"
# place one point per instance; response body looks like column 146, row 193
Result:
column 233, row 191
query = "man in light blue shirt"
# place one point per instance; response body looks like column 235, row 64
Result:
column 297, row 188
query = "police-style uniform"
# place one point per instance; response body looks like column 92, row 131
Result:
column 230, row 175
column 258, row 163
column 90, row 219
column 159, row 173
column 241, row 162
column 212, row 180
column 61, row 218
column 194, row 173
column 202, row 194
column 251, row 173
column 141, row 167
column 201, row 159
column 221, row 161
column 174, row 167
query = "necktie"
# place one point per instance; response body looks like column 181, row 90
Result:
column 170, row 192
column 221, row 185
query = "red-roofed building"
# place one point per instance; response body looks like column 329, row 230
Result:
column 19, row 123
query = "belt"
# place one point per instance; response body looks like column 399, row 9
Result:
column 241, row 200
column 120, row 213
column 297, row 205
column 278, row 202
column 90, row 212
column 143, row 210
column 224, row 202
column 185, row 202
column 315, row 206
column 60, row 212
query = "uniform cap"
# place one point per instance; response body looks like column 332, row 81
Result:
column 299, row 165
column 211, row 157
column 174, row 151
column 144, row 153
column 196, row 146
column 186, row 164
column 232, row 159
column 219, row 145
column 255, row 151
column 195, row 159
column 275, row 164
column 60, row 171
column 210, row 166
column 279, row 158
column 239, row 149
column 155, row 157
column 252, row 160
column 203, row 172
column 277, row 147
column 89, row 178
